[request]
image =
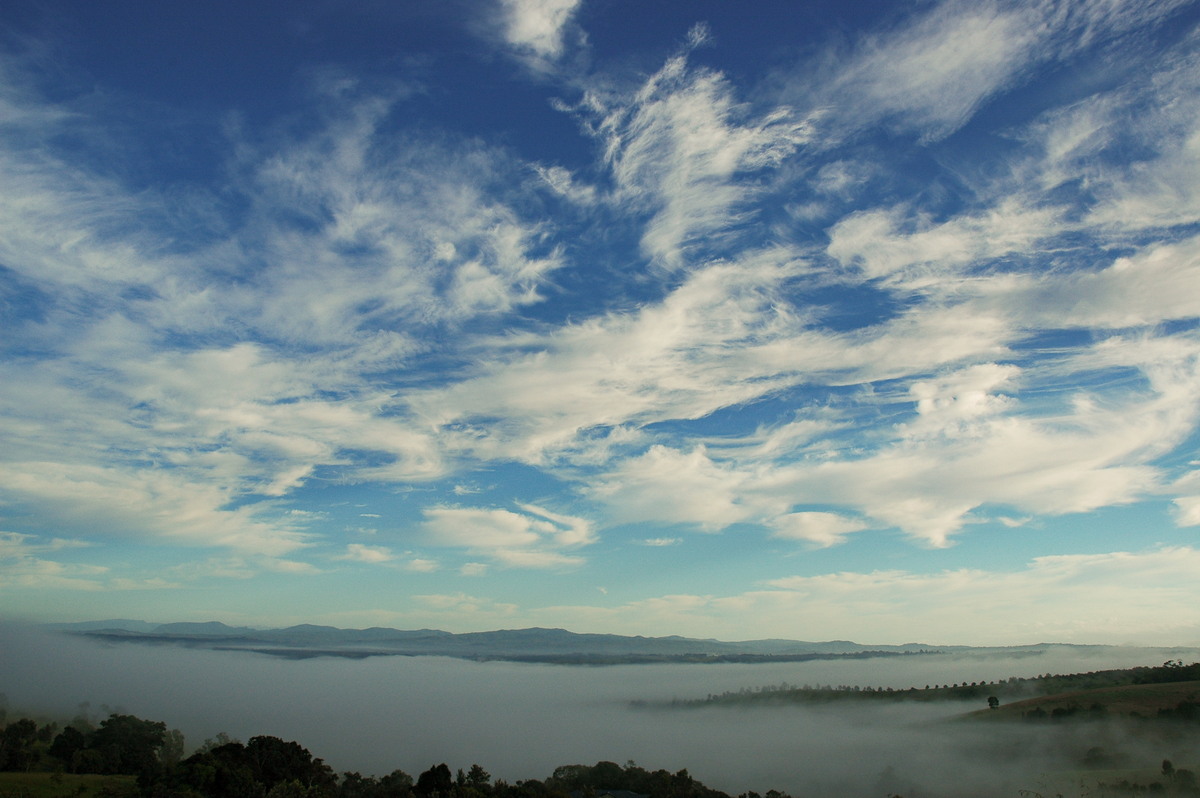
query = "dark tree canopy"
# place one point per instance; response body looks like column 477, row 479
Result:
column 128, row 744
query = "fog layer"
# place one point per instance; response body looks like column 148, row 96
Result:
column 520, row 721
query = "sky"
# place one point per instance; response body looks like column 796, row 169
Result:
column 818, row 320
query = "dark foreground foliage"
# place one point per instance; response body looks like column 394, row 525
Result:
column 129, row 756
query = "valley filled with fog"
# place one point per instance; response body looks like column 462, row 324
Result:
column 520, row 721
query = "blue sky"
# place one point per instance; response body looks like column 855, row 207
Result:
column 873, row 321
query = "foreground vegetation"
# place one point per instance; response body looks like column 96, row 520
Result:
column 128, row 757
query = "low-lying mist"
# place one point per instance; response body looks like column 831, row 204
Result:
column 520, row 721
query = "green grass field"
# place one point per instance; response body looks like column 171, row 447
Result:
column 60, row 785
column 1108, row 783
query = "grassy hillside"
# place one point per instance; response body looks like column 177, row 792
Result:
column 1038, row 693
column 1144, row 700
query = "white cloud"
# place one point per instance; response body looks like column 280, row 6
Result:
column 368, row 554
column 955, row 404
column 931, row 73
column 535, row 558
column 1155, row 284
column 537, row 25
column 530, row 539
column 150, row 503
column 398, row 231
column 16, row 544
column 874, row 242
column 22, row 566
column 39, row 574
column 482, row 528
column 288, row 566
column 1187, row 501
column 569, row 530
column 696, row 351
column 676, row 487
column 1189, row 510
column 969, row 446
column 820, row 528
column 1160, row 115
column 564, row 184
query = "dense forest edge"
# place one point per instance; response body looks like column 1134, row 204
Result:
column 123, row 756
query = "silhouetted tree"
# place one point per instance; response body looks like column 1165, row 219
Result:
column 273, row 760
column 16, row 745
column 397, row 784
column 223, row 770
column 69, row 742
column 435, row 783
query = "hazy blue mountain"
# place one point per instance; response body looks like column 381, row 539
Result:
column 529, row 644
column 308, row 634
column 206, row 629
column 121, row 624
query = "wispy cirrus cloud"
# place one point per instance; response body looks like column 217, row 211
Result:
column 867, row 288
column 684, row 152
column 932, row 72
column 165, row 383
column 932, row 75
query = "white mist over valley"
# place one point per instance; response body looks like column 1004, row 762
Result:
column 520, row 721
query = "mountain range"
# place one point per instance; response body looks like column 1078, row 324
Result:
column 535, row 644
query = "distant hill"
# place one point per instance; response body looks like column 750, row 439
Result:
column 535, row 644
